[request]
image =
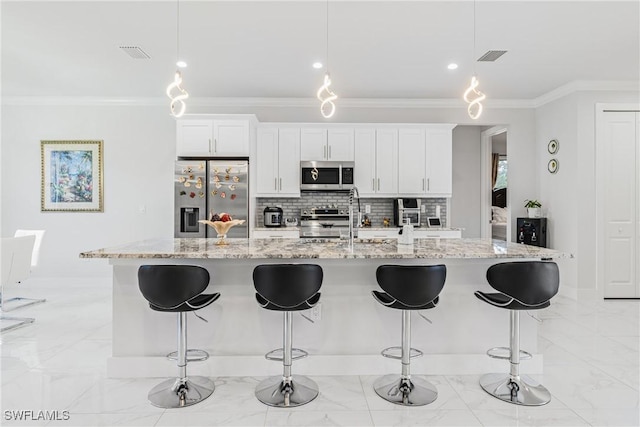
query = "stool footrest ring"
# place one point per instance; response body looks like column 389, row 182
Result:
column 193, row 355
column 396, row 352
column 278, row 354
column 505, row 353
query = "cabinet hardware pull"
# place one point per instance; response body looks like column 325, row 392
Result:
column 275, row 184
column 215, row 145
column 210, row 149
column 329, row 152
column 324, row 152
column 428, row 184
column 378, row 184
column 280, row 183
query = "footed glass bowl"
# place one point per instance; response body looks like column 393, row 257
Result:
column 222, row 228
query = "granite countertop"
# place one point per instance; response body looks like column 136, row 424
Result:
column 323, row 249
column 415, row 228
column 296, row 228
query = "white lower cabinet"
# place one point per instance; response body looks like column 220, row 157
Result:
column 278, row 162
column 418, row 233
column 276, row 233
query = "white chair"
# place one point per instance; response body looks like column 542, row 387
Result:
column 35, row 256
column 16, row 255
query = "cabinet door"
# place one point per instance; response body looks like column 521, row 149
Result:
column 439, row 163
column 340, row 145
column 267, row 162
column 193, row 137
column 365, row 161
column 230, row 137
column 411, row 162
column 387, row 162
column 289, row 163
column 313, row 144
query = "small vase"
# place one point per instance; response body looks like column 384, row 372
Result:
column 534, row 212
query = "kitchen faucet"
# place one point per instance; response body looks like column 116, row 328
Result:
column 353, row 232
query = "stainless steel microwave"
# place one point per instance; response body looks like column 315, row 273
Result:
column 326, row 176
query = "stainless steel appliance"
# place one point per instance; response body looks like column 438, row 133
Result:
column 207, row 186
column 406, row 208
column 273, row 216
column 326, row 176
column 325, row 221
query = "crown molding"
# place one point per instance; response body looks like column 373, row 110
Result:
column 585, row 85
column 254, row 102
column 101, row 101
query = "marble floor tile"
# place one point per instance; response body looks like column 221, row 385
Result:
column 106, row 420
column 230, row 394
column 235, row 418
column 283, row 417
column 439, row 417
column 527, row 416
column 117, row 396
column 610, row 417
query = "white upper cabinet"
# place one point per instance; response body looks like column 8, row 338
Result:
column 425, row 162
column 439, row 162
column 212, row 137
column 376, row 162
column 278, row 162
column 329, row 145
column 412, row 149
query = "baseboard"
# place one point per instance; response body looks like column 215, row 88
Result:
column 258, row 366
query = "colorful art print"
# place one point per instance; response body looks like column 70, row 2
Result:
column 71, row 176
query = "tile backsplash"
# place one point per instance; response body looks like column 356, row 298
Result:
column 380, row 207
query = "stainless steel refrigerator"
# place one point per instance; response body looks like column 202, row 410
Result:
column 203, row 187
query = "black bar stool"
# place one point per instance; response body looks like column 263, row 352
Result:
column 521, row 286
column 407, row 288
column 287, row 288
column 177, row 289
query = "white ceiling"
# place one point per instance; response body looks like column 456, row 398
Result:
column 378, row 49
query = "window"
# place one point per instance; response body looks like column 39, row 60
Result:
column 501, row 180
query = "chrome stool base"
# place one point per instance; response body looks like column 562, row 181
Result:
column 175, row 393
column 521, row 390
column 275, row 391
column 408, row 392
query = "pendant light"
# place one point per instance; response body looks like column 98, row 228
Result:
column 177, row 105
column 472, row 95
column 325, row 95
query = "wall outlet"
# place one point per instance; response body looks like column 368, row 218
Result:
column 423, row 208
column 367, row 208
column 316, row 312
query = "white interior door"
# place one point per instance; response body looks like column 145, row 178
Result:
column 621, row 199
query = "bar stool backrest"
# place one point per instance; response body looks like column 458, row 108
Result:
column 412, row 285
column 167, row 286
column 529, row 282
column 287, row 285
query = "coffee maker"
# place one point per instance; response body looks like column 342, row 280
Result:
column 406, row 208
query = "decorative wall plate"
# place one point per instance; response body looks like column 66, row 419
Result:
column 553, row 165
column 553, row 146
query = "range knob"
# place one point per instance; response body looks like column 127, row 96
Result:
column 304, row 212
column 342, row 212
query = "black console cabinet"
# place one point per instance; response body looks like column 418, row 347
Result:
column 532, row 231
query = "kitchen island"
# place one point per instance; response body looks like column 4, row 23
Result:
column 348, row 331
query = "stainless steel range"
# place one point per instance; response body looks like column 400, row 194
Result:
column 324, row 221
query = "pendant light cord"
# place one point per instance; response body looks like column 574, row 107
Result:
column 473, row 54
column 177, row 30
column 327, row 34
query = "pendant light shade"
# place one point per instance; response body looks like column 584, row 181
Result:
column 474, row 98
column 324, row 94
column 177, row 105
column 175, row 91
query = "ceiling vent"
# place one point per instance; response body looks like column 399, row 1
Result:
column 491, row 55
column 135, row 52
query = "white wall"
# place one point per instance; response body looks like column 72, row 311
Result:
column 465, row 200
column 139, row 150
column 139, row 146
column 570, row 194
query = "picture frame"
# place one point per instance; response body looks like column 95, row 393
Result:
column 71, row 176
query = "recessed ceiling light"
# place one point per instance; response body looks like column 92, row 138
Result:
column 452, row 66
column 317, row 65
column 181, row 64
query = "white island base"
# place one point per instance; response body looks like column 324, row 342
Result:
column 346, row 340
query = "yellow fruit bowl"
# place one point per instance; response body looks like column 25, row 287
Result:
column 222, row 228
